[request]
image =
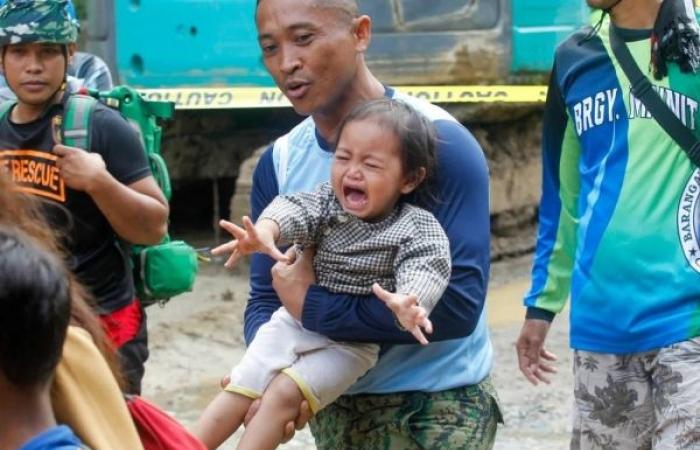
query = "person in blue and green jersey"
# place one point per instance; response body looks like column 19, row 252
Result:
column 617, row 232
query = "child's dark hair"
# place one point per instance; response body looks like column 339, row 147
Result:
column 416, row 135
column 35, row 302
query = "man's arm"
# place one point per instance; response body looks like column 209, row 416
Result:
column 556, row 240
column 138, row 213
column 115, row 174
column 463, row 211
column 263, row 300
column 558, row 211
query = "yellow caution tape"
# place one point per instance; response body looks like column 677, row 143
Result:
column 477, row 94
column 225, row 98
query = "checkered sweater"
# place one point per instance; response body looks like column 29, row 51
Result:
column 407, row 252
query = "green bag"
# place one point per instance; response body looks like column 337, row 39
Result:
column 165, row 270
column 160, row 271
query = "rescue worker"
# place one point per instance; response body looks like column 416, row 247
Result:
column 92, row 198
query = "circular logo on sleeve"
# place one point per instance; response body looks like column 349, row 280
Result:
column 689, row 220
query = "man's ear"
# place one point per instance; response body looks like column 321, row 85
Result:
column 72, row 48
column 413, row 180
column 362, row 31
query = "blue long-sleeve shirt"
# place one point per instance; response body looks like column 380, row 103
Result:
column 618, row 225
column 460, row 353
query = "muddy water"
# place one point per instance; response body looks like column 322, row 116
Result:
column 196, row 338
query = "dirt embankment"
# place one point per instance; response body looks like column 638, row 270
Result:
column 512, row 149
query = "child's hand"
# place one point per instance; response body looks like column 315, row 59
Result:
column 246, row 242
column 405, row 307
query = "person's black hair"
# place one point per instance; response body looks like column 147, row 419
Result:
column 675, row 38
column 347, row 8
column 416, row 136
column 35, row 305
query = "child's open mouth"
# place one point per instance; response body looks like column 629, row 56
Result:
column 354, row 198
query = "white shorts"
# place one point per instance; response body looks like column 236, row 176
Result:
column 322, row 368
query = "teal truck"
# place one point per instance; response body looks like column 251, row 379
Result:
column 177, row 43
column 486, row 60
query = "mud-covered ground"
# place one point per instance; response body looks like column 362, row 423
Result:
column 196, row 338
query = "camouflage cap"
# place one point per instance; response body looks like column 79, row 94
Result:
column 23, row 21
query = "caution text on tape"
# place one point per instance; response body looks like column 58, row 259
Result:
column 244, row 97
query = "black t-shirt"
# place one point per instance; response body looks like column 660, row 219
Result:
column 96, row 256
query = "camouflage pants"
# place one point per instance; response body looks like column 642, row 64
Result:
column 462, row 418
column 638, row 401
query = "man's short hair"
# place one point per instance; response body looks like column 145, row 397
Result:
column 347, row 8
column 35, row 307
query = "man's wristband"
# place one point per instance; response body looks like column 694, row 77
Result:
column 534, row 312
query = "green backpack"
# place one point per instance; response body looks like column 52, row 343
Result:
column 169, row 268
